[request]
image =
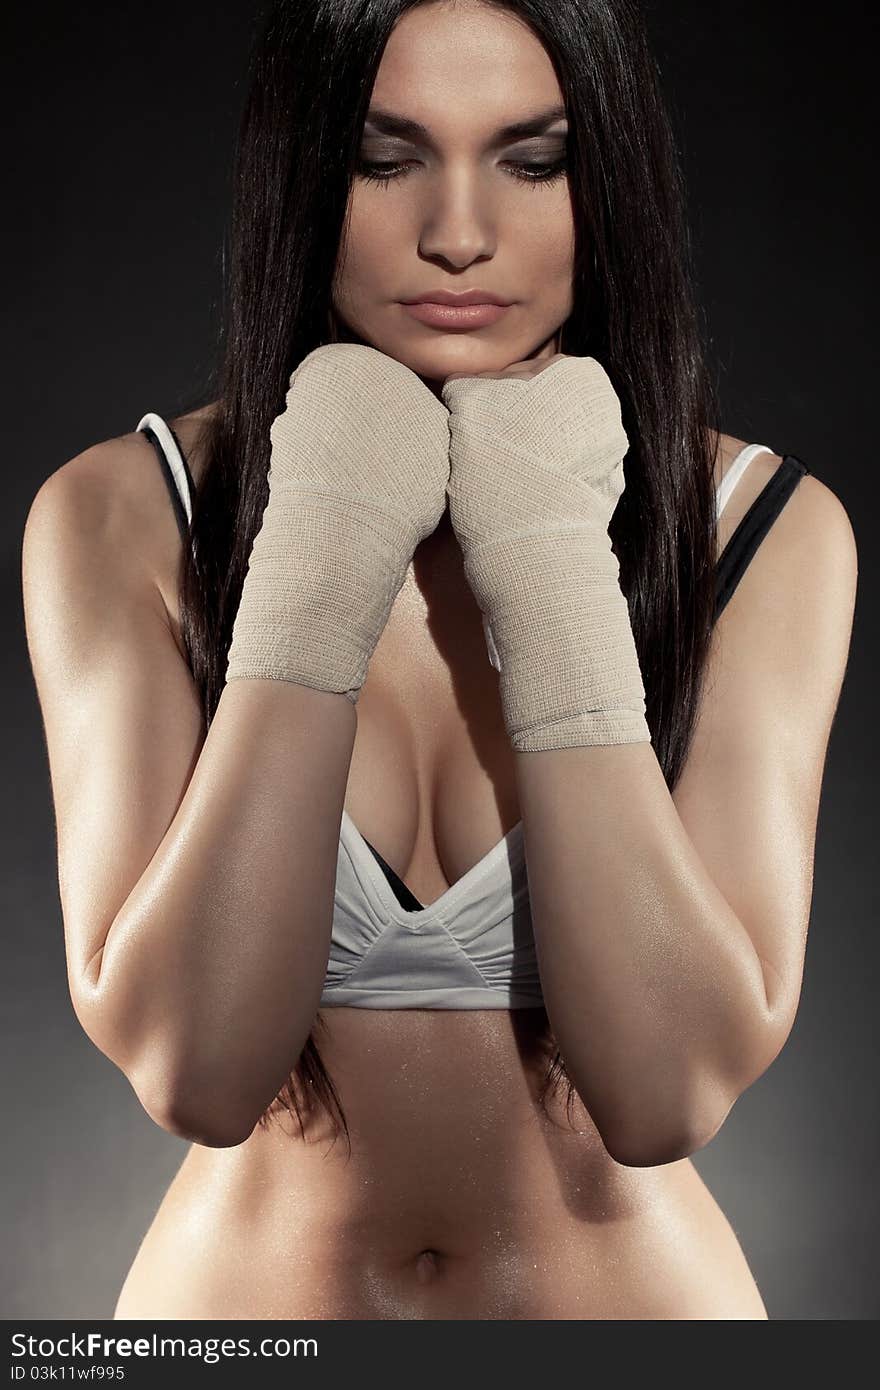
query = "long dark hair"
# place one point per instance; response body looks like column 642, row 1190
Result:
column 312, row 70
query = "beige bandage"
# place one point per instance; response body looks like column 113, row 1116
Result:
column 536, row 471
column 357, row 477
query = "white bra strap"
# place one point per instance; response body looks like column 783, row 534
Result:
column 173, row 455
column 735, row 472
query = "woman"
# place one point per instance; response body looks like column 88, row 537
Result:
column 522, row 1067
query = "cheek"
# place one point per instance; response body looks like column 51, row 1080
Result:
column 546, row 252
column 369, row 249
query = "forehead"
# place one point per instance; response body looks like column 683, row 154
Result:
column 470, row 60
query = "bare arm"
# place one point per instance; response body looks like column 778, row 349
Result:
column 671, row 930
column 196, row 873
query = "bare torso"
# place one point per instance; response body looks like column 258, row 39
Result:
column 461, row 1197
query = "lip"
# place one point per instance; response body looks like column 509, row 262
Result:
column 455, row 318
column 458, row 299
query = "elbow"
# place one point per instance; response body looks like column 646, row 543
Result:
column 643, row 1149
column 197, row 1115
column 212, row 1130
column 652, row 1140
column 201, row 1110
column 681, row 1109
column 202, row 1099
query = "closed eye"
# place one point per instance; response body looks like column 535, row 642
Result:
column 389, row 171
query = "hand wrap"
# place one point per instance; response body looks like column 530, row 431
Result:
column 357, row 477
column 536, row 471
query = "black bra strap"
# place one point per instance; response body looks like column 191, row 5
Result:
column 734, row 559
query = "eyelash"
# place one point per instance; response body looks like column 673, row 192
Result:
column 549, row 173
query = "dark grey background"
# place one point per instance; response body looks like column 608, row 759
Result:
column 121, row 119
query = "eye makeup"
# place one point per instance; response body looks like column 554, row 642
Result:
column 382, row 163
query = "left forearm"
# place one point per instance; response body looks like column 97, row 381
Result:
column 653, row 988
column 652, row 985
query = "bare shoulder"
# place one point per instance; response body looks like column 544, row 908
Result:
column 813, row 515
column 816, row 541
column 109, row 506
column 755, row 478
column 788, row 624
column 793, row 608
column 122, row 476
column 102, row 496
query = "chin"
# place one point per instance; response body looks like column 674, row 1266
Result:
column 479, row 355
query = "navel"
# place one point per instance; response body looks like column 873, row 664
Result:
column 427, row 1265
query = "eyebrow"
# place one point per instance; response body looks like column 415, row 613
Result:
column 389, row 123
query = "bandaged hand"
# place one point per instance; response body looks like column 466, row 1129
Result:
column 536, row 471
column 358, row 471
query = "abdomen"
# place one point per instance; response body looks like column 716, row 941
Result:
column 461, row 1199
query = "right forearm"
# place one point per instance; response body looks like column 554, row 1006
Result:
column 211, row 974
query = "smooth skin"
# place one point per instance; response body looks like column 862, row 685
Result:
column 461, row 1198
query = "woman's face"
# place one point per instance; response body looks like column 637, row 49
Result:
column 460, row 210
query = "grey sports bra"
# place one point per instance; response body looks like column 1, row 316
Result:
column 472, row 948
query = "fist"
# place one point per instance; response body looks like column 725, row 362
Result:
column 359, row 422
column 542, row 442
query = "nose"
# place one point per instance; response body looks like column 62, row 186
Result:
column 458, row 225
